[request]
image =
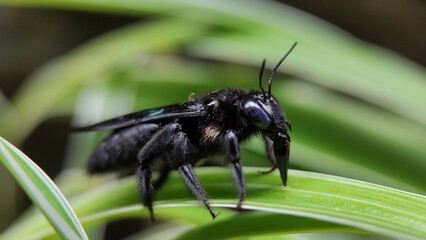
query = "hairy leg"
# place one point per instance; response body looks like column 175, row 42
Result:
column 158, row 143
column 233, row 155
column 181, row 152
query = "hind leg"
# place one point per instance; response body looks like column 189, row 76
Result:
column 158, row 143
column 170, row 136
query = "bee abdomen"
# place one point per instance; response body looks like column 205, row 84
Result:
column 120, row 148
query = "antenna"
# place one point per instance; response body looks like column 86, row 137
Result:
column 260, row 79
column 276, row 67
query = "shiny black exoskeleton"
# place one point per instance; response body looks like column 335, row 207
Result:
column 182, row 134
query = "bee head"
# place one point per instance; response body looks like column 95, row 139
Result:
column 269, row 119
column 263, row 111
column 265, row 115
column 262, row 108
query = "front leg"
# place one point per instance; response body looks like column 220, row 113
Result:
column 271, row 157
column 233, row 155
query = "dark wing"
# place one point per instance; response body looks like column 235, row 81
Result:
column 184, row 110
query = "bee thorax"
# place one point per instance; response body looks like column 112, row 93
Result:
column 211, row 133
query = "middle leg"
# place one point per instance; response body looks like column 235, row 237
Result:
column 181, row 154
column 233, row 154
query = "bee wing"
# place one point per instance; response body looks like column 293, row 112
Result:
column 184, row 110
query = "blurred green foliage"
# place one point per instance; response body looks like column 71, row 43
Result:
column 357, row 111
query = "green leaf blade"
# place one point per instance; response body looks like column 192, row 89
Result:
column 351, row 203
column 260, row 223
column 42, row 191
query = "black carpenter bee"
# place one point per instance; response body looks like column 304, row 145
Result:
column 182, row 134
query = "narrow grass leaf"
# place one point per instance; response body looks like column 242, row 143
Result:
column 260, row 223
column 352, row 203
column 41, row 189
column 341, row 201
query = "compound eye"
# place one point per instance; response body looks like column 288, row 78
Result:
column 257, row 114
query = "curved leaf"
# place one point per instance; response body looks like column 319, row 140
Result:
column 347, row 202
column 353, row 203
column 259, row 223
column 41, row 189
